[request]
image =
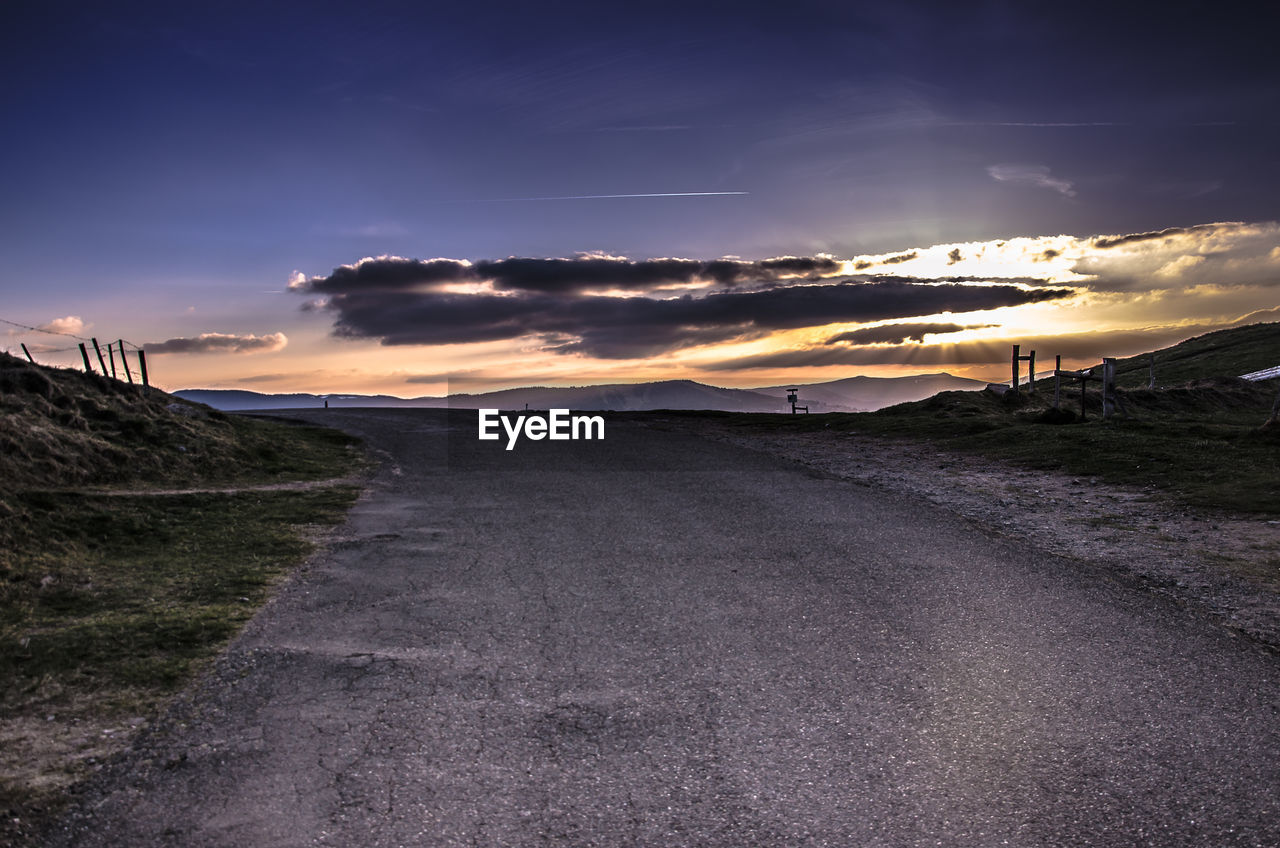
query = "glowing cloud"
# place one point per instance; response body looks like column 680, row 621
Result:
column 900, row 333
column 956, row 304
column 71, row 325
column 558, row 304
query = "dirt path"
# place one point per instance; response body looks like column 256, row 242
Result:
column 665, row 640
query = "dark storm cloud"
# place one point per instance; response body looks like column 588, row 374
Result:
column 863, row 264
column 530, row 274
column 802, row 265
column 1155, row 235
column 958, row 278
column 567, row 275
column 631, row 327
column 899, row 333
column 438, row 318
column 1087, row 346
column 388, row 273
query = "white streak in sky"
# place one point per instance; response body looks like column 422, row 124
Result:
column 1038, row 176
column 1082, row 124
column 613, row 196
column 1058, row 124
column 1037, row 124
column 651, row 128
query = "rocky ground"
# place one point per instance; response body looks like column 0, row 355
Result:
column 1227, row 565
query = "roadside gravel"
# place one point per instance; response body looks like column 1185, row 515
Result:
column 1227, row 565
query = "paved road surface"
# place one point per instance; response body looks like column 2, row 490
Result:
column 663, row 641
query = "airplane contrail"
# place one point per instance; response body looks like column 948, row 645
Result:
column 613, row 196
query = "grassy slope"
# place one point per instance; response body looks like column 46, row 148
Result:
column 110, row 602
column 1224, row 353
column 61, row 428
column 1200, row 443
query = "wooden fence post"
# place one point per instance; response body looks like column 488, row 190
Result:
column 1057, row 380
column 111, row 355
column 1031, row 377
column 124, row 362
column 88, row 369
column 142, row 365
column 1108, row 387
column 28, row 353
column 101, row 361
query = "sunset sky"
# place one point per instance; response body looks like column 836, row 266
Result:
column 417, row 197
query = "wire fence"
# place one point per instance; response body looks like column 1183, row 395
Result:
column 47, row 331
column 106, row 361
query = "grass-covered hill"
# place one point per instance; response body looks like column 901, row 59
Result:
column 114, row 590
column 1223, row 353
column 64, row 428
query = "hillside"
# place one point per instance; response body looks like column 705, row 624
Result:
column 852, row 394
column 864, row 394
column 232, row 400
column 624, row 397
column 1230, row 352
column 115, row 589
column 1223, row 353
column 60, row 427
column 667, row 394
column 1201, row 437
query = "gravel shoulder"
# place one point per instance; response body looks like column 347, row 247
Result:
column 1226, row 565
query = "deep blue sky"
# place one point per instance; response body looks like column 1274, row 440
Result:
column 188, row 147
column 225, row 135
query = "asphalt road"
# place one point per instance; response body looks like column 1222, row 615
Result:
column 659, row 640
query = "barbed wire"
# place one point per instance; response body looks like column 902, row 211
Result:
column 133, row 345
column 42, row 330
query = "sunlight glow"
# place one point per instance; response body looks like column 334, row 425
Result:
column 1127, row 290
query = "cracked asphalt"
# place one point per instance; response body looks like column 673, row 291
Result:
column 660, row 640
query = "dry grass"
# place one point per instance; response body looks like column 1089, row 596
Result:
column 1201, row 444
column 1239, row 350
column 110, row 604
column 60, row 428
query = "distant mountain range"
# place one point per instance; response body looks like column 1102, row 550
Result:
column 853, row 394
column 864, row 394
